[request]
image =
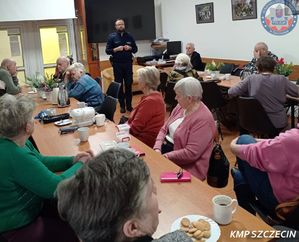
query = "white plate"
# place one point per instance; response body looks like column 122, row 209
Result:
column 215, row 229
column 63, row 122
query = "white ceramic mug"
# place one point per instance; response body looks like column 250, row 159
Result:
column 83, row 133
column 100, row 119
column 223, row 208
column 213, row 75
column 227, row 76
column 81, row 104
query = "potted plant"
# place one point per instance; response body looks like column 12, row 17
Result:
column 49, row 85
column 283, row 68
column 36, row 82
column 214, row 68
column 49, row 82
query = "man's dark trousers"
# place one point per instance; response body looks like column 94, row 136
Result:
column 123, row 74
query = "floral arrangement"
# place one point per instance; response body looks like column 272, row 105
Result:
column 49, row 82
column 283, row 68
column 45, row 83
column 35, row 81
column 214, row 66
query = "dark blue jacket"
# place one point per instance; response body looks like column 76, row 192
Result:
column 115, row 39
column 86, row 90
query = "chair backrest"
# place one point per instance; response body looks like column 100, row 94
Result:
column 108, row 107
column 254, row 118
column 2, row 88
column 227, row 68
column 163, row 81
column 212, row 96
column 203, row 66
column 237, row 71
column 170, row 95
column 113, row 89
column 99, row 80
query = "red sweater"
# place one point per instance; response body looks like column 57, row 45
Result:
column 147, row 118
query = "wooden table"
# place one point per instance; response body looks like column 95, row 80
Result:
column 175, row 199
column 233, row 80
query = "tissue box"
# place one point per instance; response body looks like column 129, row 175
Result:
column 123, row 128
column 123, row 136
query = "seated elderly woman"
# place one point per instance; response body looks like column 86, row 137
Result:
column 182, row 68
column 82, row 87
column 113, row 199
column 28, row 179
column 269, row 89
column 187, row 136
column 268, row 169
column 148, row 116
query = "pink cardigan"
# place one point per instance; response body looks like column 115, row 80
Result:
column 193, row 140
column 279, row 157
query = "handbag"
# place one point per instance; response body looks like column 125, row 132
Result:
column 218, row 168
column 284, row 210
column 123, row 119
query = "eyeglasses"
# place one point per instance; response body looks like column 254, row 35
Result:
column 179, row 174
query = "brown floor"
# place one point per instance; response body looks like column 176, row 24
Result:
column 227, row 135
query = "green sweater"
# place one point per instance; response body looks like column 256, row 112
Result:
column 26, row 179
column 10, row 87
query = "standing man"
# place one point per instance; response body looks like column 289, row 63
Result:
column 194, row 57
column 120, row 46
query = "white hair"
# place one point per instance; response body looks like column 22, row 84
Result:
column 189, row 87
column 150, row 75
column 263, row 45
column 64, row 59
column 191, row 44
column 15, row 113
column 76, row 67
column 183, row 59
